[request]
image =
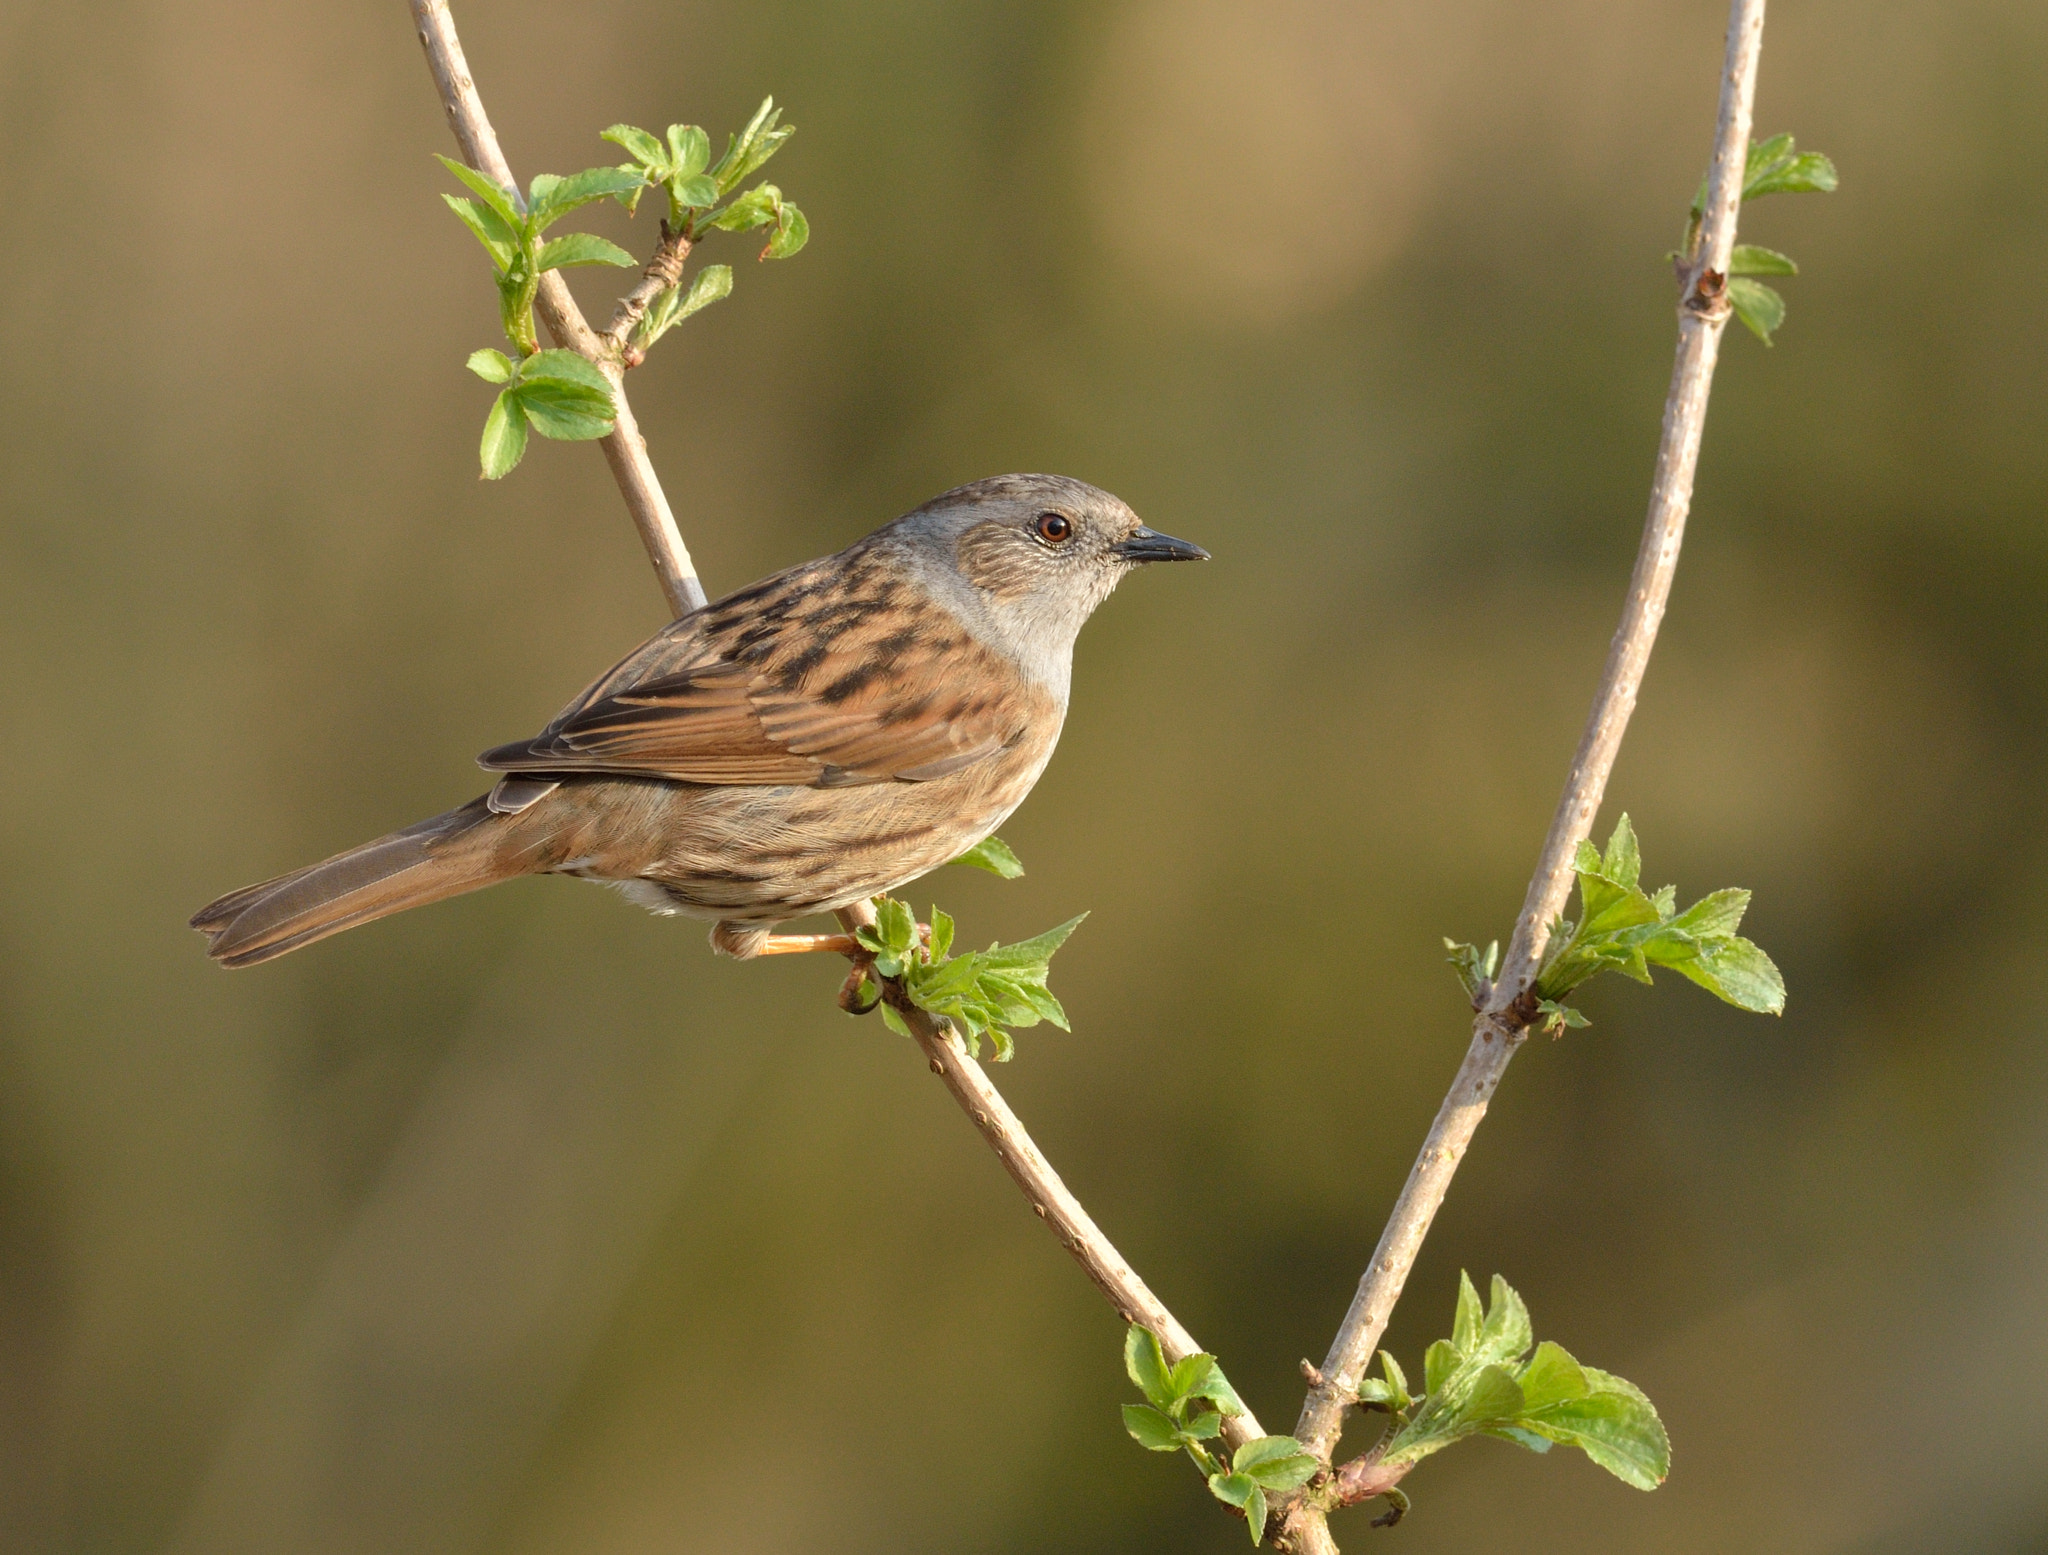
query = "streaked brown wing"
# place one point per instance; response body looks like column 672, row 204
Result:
column 833, row 673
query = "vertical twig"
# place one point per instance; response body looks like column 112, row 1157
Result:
column 625, row 450
column 965, row 1079
column 1507, row 1007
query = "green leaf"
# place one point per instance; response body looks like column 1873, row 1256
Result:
column 637, row 143
column 1748, row 259
column 677, row 303
column 1275, row 1462
column 1614, row 1425
column 502, row 202
column 893, row 921
column 893, row 1020
column 752, row 146
column 755, row 208
column 1241, row 1490
column 1738, row 971
column 1808, row 173
column 1396, row 1379
column 1146, row 1365
column 792, row 232
column 499, row 240
column 504, row 442
column 689, row 149
column 566, row 367
column 694, row 192
column 1554, row 1017
column 1036, row 951
column 1199, row 1377
column 1624, row 861
column 1765, row 154
column 1439, row 1362
column 491, row 366
column 1552, row 1377
column 1472, row 967
column 1761, row 309
column 582, row 248
column 1506, row 1334
column 1204, row 1427
column 1152, row 1430
column 994, row 855
column 566, row 412
column 1466, row 1324
column 942, row 932
column 1550, row 1398
column 1494, row 1396
column 553, row 198
column 1718, row 913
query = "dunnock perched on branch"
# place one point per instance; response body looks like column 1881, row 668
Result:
column 828, row 734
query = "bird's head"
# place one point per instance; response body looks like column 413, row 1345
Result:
column 1037, row 554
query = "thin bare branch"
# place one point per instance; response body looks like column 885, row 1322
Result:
column 625, row 450
column 664, row 270
column 966, row 1079
column 1507, row 1007
column 1049, row 1198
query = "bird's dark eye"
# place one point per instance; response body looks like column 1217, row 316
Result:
column 1055, row 527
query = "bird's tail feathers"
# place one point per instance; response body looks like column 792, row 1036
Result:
column 438, row 858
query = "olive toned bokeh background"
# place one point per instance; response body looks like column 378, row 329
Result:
column 520, row 1225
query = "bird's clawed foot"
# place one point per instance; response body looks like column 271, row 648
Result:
column 857, row 979
column 744, row 941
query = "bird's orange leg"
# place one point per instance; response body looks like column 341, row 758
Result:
column 802, row 944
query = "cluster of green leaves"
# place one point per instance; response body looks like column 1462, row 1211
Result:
column 1775, row 166
column 1186, row 1405
column 1621, row 928
column 514, row 233
column 539, row 391
column 1482, row 1381
column 558, row 393
column 984, row 993
column 680, row 165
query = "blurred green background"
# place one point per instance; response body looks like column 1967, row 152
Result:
column 521, row 1225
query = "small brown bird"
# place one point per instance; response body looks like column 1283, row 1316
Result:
column 828, row 734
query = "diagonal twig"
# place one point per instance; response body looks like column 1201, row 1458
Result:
column 625, row 450
column 1506, row 1008
column 964, row 1078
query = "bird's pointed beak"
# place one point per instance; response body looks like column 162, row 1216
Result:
column 1149, row 545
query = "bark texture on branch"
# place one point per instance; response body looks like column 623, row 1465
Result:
column 1506, row 1008
column 625, row 450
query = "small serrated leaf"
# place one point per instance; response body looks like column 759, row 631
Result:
column 1037, row 950
column 1761, row 309
column 1748, row 259
column 1151, row 1429
column 581, row 248
column 499, row 241
column 1470, row 1316
column 638, row 143
column 504, row 440
column 689, row 149
column 792, row 232
column 491, row 366
column 566, row 367
column 553, row 198
column 1737, row 970
column 1145, row 1363
column 994, row 855
column 501, row 202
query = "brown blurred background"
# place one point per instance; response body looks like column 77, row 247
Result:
column 520, row 1225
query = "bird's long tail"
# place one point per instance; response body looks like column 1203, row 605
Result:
column 460, row 851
